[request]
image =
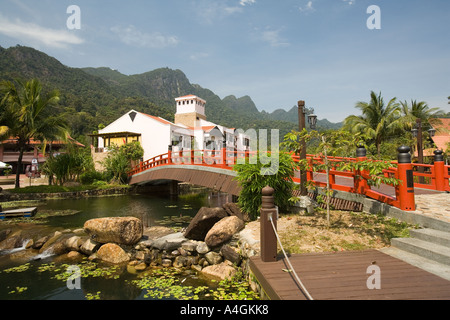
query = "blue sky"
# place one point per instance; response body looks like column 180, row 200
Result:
column 277, row 52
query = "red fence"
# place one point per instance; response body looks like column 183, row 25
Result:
column 432, row 177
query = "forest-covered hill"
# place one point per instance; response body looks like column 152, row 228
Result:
column 93, row 96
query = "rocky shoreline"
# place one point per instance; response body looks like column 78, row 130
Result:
column 215, row 243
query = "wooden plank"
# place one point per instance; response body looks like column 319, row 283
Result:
column 344, row 275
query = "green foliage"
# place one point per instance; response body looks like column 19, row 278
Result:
column 254, row 175
column 89, row 177
column 27, row 113
column 118, row 162
column 68, row 166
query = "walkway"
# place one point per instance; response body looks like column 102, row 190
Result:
column 345, row 275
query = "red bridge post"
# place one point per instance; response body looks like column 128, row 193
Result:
column 360, row 183
column 439, row 170
column 169, row 155
column 405, row 191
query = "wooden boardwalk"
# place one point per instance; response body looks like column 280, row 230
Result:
column 343, row 276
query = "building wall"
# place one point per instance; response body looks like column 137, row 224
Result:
column 188, row 119
column 155, row 135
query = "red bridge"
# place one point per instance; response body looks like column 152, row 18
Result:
column 214, row 169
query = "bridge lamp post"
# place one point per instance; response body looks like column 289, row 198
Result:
column 312, row 120
column 417, row 132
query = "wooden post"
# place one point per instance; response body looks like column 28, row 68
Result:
column 405, row 191
column 267, row 234
column 439, row 170
column 302, row 125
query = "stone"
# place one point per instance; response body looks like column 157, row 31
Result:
column 40, row 242
column 112, row 253
column 213, row 257
column 50, row 241
column 202, row 248
column 120, row 230
column 169, row 242
column 180, row 262
column 12, row 241
column 203, row 221
column 233, row 209
column 89, row 247
column 166, row 263
column 74, row 243
column 223, row 231
column 190, row 245
column 74, row 255
column 221, row 271
column 156, row 232
column 231, row 254
column 4, row 233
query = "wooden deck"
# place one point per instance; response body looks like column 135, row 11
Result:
column 343, row 276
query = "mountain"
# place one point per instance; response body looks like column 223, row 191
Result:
column 93, row 96
column 292, row 116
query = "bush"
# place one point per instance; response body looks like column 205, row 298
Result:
column 254, row 177
column 91, row 176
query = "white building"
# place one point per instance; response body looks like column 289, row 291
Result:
column 191, row 131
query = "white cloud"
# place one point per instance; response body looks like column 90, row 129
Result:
column 246, row 2
column 37, row 35
column 350, row 2
column 212, row 11
column 273, row 38
column 132, row 36
column 307, row 8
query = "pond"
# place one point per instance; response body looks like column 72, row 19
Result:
column 22, row 277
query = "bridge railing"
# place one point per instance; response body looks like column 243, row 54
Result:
column 434, row 177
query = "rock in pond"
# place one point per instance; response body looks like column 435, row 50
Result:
column 203, row 221
column 221, row 271
column 112, row 253
column 120, row 230
column 223, row 231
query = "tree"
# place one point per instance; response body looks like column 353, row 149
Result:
column 28, row 115
column 118, row 162
column 377, row 121
column 417, row 110
column 253, row 177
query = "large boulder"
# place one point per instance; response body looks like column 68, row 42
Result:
column 169, row 242
column 112, row 253
column 220, row 271
column 223, row 231
column 121, row 230
column 203, row 222
column 233, row 210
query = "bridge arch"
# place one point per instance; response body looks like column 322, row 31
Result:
column 214, row 178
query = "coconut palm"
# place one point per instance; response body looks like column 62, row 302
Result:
column 377, row 121
column 417, row 110
column 27, row 115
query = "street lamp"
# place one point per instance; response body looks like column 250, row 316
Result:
column 312, row 120
column 417, row 133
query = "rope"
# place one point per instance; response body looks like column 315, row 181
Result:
column 308, row 296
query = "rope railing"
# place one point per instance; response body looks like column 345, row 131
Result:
column 291, row 268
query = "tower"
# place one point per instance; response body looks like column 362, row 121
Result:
column 190, row 109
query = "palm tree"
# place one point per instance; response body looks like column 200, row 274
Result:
column 417, row 110
column 27, row 115
column 377, row 121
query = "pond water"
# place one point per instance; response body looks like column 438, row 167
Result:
column 21, row 277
